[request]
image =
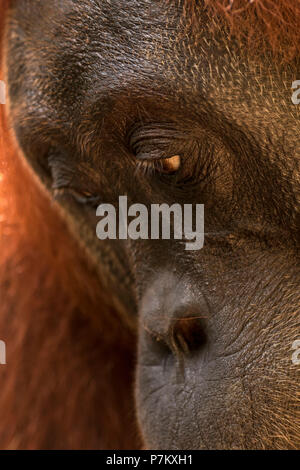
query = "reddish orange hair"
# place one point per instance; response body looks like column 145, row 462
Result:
column 68, row 380
column 262, row 24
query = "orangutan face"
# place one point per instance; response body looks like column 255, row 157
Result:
column 140, row 98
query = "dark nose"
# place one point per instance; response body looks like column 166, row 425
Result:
column 174, row 317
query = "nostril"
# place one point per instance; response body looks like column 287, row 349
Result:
column 188, row 336
column 183, row 338
column 157, row 343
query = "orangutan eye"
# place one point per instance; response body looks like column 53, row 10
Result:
column 167, row 166
column 151, row 144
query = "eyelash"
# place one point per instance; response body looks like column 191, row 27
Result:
column 147, row 168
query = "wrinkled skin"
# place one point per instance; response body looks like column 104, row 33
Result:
column 215, row 326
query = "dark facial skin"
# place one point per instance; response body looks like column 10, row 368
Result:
column 216, row 326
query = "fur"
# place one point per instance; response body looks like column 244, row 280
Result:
column 67, row 383
column 62, row 384
column 262, row 25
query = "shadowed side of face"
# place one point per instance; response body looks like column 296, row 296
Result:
column 102, row 97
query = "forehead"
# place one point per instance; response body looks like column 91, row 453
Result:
column 80, row 50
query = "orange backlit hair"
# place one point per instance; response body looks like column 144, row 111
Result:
column 68, row 383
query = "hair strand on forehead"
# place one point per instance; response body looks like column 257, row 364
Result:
column 262, row 25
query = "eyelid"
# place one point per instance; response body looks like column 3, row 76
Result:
column 152, row 141
column 79, row 196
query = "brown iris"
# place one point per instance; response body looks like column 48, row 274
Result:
column 167, row 166
column 171, row 165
